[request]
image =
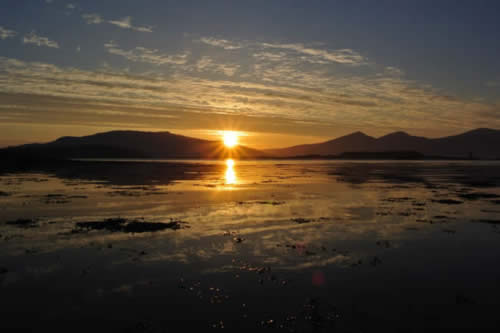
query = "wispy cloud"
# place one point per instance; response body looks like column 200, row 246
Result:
column 223, row 43
column 151, row 56
column 6, row 33
column 207, row 64
column 282, row 91
column 92, row 18
column 342, row 56
column 33, row 38
column 268, row 56
column 71, row 7
column 124, row 23
column 391, row 70
column 303, row 52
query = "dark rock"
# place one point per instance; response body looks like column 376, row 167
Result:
column 274, row 203
column 78, row 197
column 135, row 226
column 479, row 195
column 115, row 224
column 448, row 202
column 489, row 221
column 238, row 239
column 138, row 227
column 24, row 223
column 384, row 243
column 402, row 199
column 301, row 220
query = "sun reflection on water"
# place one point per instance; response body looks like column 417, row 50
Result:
column 230, row 173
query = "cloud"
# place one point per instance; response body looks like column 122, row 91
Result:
column 92, row 18
column 225, row 44
column 6, row 33
column 282, row 92
column 124, row 23
column 394, row 71
column 342, row 56
column 207, row 64
column 145, row 55
column 33, row 38
column 291, row 52
column 268, row 56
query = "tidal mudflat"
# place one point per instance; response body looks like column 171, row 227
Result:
column 303, row 246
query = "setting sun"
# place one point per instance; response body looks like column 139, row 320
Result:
column 230, row 138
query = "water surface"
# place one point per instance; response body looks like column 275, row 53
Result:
column 297, row 245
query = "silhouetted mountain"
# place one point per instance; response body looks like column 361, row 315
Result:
column 130, row 144
column 480, row 143
column 357, row 141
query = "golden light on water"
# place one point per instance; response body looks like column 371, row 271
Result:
column 230, row 174
column 230, row 138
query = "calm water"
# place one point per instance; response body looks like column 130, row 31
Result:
column 309, row 246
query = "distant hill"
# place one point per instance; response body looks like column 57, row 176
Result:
column 480, row 143
column 130, row 144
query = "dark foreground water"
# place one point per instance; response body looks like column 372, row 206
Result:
column 135, row 246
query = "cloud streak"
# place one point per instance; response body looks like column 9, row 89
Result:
column 124, row 23
column 308, row 54
column 145, row 55
column 92, row 18
column 222, row 43
column 348, row 102
column 207, row 64
column 342, row 56
column 33, row 38
column 6, row 33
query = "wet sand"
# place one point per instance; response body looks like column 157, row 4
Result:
column 308, row 246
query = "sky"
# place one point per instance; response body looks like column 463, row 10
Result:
column 279, row 72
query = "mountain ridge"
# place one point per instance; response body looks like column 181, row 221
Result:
column 130, row 144
column 477, row 143
column 481, row 143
